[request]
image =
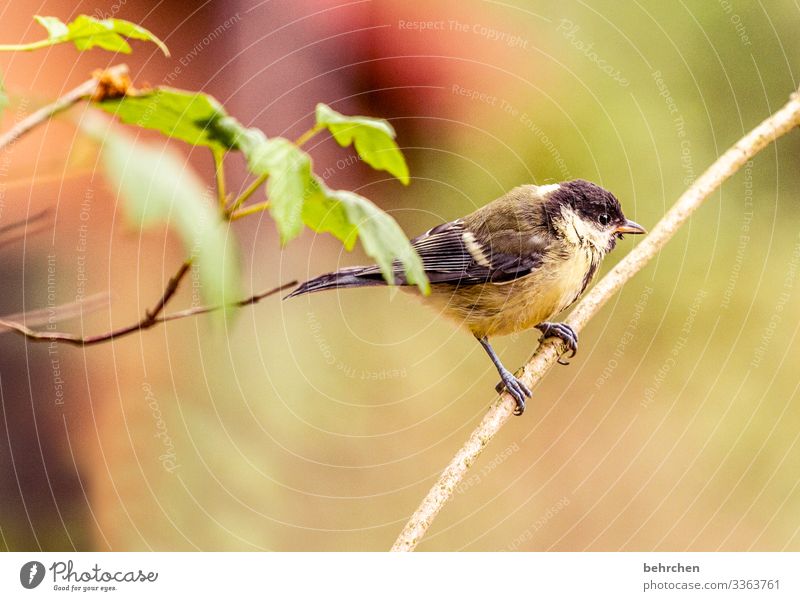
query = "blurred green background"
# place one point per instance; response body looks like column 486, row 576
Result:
column 319, row 424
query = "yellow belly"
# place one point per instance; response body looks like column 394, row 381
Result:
column 500, row 309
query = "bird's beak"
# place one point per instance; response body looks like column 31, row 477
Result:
column 630, row 227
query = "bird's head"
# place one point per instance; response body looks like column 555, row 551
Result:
column 583, row 213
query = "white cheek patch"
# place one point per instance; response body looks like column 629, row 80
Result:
column 572, row 226
column 579, row 231
column 475, row 249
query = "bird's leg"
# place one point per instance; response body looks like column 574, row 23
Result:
column 563, row 332
column 516, row 389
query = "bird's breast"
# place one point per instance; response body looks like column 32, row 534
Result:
column 505, row 308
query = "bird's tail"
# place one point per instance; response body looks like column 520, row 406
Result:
column 351, row 277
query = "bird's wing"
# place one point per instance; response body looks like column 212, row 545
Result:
column 450, row 253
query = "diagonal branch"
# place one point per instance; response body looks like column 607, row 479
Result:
column 103, row 84
column 786, row 119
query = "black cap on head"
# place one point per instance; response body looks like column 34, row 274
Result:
column 590, row 201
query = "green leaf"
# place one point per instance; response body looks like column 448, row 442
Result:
column 325, row 214
column 157, row 185
column 193, row 117
column 87, row 32
column 135, row 32
column 289, row 171
column 373, row 139
column 55, row 27
column 382, row 238
column 296, row 197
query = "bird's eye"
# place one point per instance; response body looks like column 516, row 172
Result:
column 604, row 219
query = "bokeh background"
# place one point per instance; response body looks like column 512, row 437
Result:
column 319, row 424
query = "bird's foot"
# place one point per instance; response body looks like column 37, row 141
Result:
column 564, row 333
column 515, row 388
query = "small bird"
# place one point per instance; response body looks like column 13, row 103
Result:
column 511, row 265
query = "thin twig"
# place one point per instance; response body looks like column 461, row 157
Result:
column 246, row 302
column 169, row 292
column 88, row 89
column 146, row 323
column 48, row 315
column 151, row 318
column 548, row 352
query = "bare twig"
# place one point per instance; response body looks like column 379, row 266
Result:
column 151, row 319
column 251, row 300
column 48, row 315
column 169, row 292
column 100, row 83
column 148, row 321
column 548, row 352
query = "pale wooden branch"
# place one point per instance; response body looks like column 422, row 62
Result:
column 103, row 84
column 548, row 352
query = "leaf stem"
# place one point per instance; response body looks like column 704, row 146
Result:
column 219, row 166
column 251, row 189
column 30, row 46
column 256, row 184
column 308, row 135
